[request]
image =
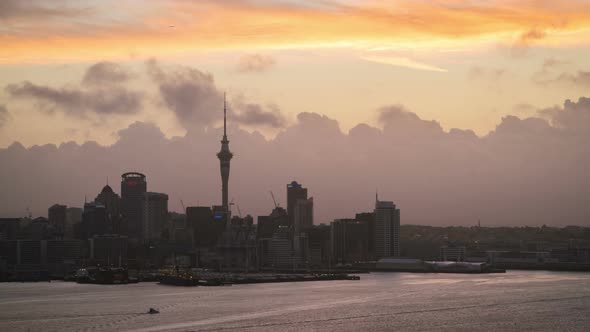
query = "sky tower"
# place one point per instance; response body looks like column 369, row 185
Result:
column 224, row 158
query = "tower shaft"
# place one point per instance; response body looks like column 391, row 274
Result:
column 224, row 156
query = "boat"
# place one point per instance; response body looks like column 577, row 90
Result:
column 102, row 275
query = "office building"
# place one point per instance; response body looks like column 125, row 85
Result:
column 318, row 246
column 206, row 226
column 109, row 250
column 155, row 215
column 133, row 189
column 387, row 228
column 73, row 221
column 295, row 192
column 57, row 217
column 267, row 225
column 349, row 241
column 9, row 228
column 94, row 221
column 369, row 219
column 110, row 200
column 303, row 215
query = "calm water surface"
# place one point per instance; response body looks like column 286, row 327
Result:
column 515, row 301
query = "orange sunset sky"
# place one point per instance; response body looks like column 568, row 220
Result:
column 462, row 63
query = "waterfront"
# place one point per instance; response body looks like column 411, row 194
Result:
column 517, row 300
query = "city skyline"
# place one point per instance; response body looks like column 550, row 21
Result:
column 394, row 165
column 459, row 111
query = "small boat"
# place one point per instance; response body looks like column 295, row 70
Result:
column 153, row 311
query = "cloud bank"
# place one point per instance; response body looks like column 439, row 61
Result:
column 528, row 171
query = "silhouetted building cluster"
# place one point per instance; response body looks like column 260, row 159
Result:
column 135, row 229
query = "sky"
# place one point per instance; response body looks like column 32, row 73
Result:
column 454, row 109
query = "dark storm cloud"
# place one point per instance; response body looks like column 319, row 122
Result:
column 105, row 73
column 255, row 63
column 188, row 92
column 76, row 101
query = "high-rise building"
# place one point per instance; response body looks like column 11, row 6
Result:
column 57, row 217
column 205, row 225
column 133, row 189
column 224, row 156
column 369, row 219
column 295, row 192
column 73, row 221
column 349, row 241
column 387, row 227
column 155, row 215
column 302, row 221
column 280, row 250
column 318, row 248
column 267, row 225
column 303, row 215
column 94, row 220
column 110, row 200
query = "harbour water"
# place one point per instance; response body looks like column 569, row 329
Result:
column 516, row 300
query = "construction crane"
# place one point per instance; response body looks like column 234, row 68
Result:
column 232, row 203
column 273, row 199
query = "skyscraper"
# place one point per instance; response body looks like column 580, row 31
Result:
column 295, row 192
column 387, row 226
column 155, row 215
column 349, row 240
column 94, row 221
column 57, row 217
column 110, row 200
column 303, row 215
column 224, row 156
column 133, row 189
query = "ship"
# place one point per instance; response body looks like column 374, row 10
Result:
column 103, row 275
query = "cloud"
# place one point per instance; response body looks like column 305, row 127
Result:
column 255, row 63
column 76, row 101
column 493, row 74
column 402, row 62
column 257, row 115
column 398, row 121
column 34, row 9
column 246, row 24
column 191, row 94
column 573, row 116
column 580, row 78
column 105, row 73
column 549, row 74
column 526, row 39
column 4, row 115
column 531, row 35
